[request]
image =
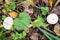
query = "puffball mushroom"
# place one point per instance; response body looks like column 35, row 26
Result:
column 52, row 18
column 8, row 21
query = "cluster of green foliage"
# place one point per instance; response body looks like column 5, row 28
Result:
column 40, row 22
column 10, row 6
column 3, row 17
column 22, row 22
column 2, row 36
column 21, row 0
column 1, row 25
column 16, row 36
column 44, row 10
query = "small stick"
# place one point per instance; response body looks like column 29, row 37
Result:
column 57, row 2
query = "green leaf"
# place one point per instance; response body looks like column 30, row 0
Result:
column 3, row 17
column 2, row 36
column 21, row 0
column 6, row 7
column 11, row 1
column 22, row 35
column 1, row 25
column 23, row 22
column 13, row 6
column 40, row 22
column 16, row 35
column 44, row 10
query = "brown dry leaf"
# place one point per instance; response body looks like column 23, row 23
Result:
column 34, row 36
column 29, row 10
column 26, row 31
column 13, row 14
column 57, row 29
column 6, row 1
column 31, row 2
column 51, row 3
column 36, row 1
column 25, row 4
column 4, row 11
column 46, row 2
column 56, row 10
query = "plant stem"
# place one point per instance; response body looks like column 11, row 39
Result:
column 49, row 34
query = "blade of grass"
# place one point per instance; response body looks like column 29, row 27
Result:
column 45, row 34
column 49, row 34
column 49, row 30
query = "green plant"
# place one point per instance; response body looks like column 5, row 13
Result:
column 22, row 35
column 13, row 6
column 1, row 25
column 3, row 17
column 44, row 10
column 6, row 7
column 2, row 36
column 10, row 6
column 11, row 1
column 49, row 35
column 21, row 0
column 16, row 35
column 22, row 22
column 40, row 22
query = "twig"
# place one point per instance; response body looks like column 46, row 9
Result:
column 57, row 2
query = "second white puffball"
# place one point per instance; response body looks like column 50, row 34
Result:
column 52, row 18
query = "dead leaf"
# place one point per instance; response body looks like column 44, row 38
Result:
column 13, row 14
column 25, row 4
column 51, row 3
column 34, row 36
column 36, row 1
column 30, row 2
column 26, row 31
column 57, row 29
column 29, row 10
column 6, row 1
column 4, row 11
column 56, row 10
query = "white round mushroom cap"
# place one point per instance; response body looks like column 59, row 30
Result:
column 52, row 18
column 8, row 21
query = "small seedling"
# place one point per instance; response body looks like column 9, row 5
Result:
column 3, row 17
column 39, row 22
column 11, row 6
column 44, row 10
column 16, row 36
